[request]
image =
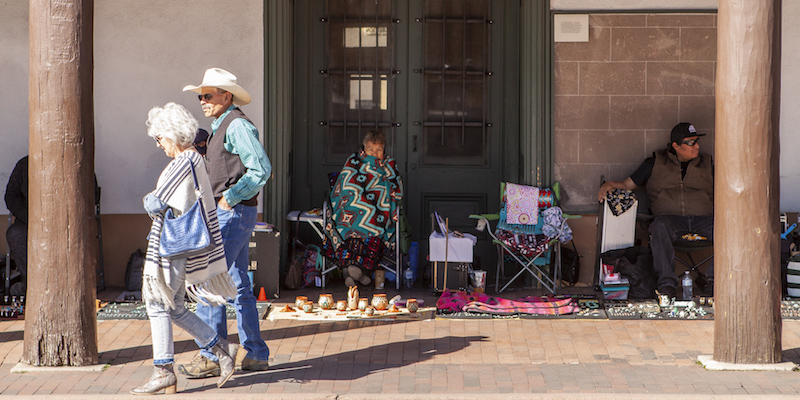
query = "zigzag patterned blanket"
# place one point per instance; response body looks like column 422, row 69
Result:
column 364, row 200
column 483, row 303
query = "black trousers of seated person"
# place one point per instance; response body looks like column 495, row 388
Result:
column 666, row 229
column 17, row 236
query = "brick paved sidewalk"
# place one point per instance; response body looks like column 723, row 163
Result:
column 430, row 359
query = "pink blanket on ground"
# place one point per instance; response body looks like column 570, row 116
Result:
column 483, row 303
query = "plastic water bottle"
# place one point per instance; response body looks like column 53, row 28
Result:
column 686, row 283
column 409, row 277
column 413, row 256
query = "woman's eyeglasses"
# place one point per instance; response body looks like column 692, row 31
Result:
column 158, row 140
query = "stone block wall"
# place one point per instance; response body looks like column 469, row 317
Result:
column 618, row 95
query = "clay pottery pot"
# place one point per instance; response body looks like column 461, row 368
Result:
column 379, row 301
column 299, row 300
column 352, row 298
column 341, row 305
column 325, row 301
column 412, row 305
column 370, row 311
column 362, row 303
column 308, row 307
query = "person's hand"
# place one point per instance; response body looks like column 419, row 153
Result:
column 604, row 189
column 223, row 204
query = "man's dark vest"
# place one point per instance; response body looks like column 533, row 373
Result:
column 669, row 195
column 224, row 167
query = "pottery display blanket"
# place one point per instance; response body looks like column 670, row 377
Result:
column 523, row 204
column 483, row 303
column 335, row 315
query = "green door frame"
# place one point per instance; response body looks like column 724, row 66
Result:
column 536, row 96
column 278, row 97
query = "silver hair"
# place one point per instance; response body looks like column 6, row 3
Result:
column 173, row 121
column 374, row 136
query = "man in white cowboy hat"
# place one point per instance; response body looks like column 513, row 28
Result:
column 238, row 168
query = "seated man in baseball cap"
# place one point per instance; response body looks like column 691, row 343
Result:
column 679, row 181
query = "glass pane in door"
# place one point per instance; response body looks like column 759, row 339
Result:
column 358, row 88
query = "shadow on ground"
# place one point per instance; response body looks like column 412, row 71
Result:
column 353, row 364
column 142, row 353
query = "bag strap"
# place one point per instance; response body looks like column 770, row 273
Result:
column 194, row 175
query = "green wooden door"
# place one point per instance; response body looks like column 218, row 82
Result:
column 432, row 76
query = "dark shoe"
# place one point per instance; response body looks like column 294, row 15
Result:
column 200, row 367
column 253, row 365
column 163, row 378
column 226, row 354
column 669, row 291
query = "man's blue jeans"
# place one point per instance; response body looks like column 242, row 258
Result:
column 237, row 226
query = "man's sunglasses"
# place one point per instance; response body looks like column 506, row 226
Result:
column 690, row 142
column 207, row 96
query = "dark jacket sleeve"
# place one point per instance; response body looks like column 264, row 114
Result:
column 17, row 191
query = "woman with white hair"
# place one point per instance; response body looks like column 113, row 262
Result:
column 204, row 277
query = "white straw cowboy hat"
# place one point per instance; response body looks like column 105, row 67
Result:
column 219, row 78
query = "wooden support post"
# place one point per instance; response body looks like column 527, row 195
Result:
column 747, row 325
column 60, row 318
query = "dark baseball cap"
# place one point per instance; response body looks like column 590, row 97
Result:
column 682, row 131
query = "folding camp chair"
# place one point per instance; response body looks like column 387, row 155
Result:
column 527, row 244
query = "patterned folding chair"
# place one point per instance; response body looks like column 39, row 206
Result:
column 529, row 230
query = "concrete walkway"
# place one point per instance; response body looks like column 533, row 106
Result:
column 431, row 359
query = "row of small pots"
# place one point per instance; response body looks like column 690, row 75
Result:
column 379, row 302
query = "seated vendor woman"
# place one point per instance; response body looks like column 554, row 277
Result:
column 364, row 206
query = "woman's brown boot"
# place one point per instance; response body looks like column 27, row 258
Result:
column 163, row 378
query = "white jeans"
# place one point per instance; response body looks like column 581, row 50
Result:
column 161, row 320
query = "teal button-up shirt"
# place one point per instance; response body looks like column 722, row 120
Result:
column 242, row 140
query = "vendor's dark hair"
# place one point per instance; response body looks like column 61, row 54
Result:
column 374, row 136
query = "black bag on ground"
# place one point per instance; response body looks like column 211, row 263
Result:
column 636, row 264
column 134, row 270
column 570, row 264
